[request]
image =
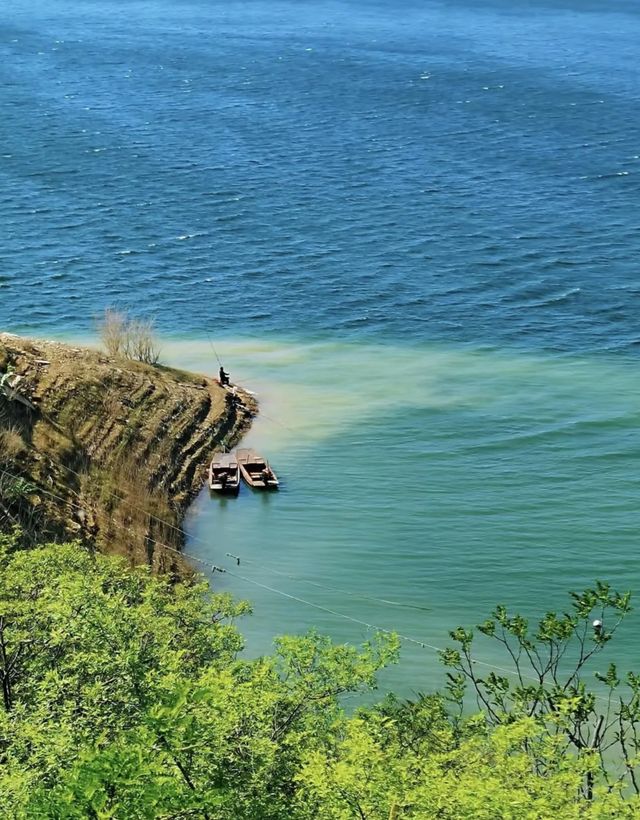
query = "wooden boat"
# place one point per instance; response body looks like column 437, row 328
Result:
column 255, row 470
column 224, row 474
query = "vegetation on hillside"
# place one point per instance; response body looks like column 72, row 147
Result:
column 129, row 338
column 126, row 697
column 106, row 449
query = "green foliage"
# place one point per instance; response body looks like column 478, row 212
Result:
column 549, row 662
column 125, row 697
column 17, row 489
column 87, row 646
column 370, row 773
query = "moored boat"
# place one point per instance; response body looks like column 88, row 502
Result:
column 256, row 471
column 224, row 474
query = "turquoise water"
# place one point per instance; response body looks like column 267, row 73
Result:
column 412, row 231
column 436, row 481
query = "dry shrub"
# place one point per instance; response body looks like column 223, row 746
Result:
column 113, row 332
column 133, row 518
column 11, row 445
column 129, row 338
column 143, row 345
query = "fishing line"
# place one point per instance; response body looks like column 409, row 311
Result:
column 214, row 568
column 329, row 588
column 237, row 558
column 111, row 522
column 406, row 638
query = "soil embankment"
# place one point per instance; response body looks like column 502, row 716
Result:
column 107, row 450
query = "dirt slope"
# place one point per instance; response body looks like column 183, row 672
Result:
column 106, row 450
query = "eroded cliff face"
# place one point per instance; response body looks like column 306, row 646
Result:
column 108, row 451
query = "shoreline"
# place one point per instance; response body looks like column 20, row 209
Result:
column 108, row 451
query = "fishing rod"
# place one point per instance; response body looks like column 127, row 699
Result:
column 268, row 418
column 214, row 348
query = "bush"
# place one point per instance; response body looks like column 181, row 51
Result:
column 11, row 445
column 124, row 697
column 129, row 338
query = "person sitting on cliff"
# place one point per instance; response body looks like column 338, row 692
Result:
column 224, row 377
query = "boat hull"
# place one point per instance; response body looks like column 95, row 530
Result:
column 224, row 489
column 257, row 482
column 256, row 471
column 224, row 475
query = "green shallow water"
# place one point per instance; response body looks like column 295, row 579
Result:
column 422, row 485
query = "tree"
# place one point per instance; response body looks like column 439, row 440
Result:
column 86, row 645
column 125, row 696
column 549, row 662
column 370, row 774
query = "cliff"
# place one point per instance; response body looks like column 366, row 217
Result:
column 107, row 450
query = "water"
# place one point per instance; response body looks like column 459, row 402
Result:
column 413, row 233
column 441, row 480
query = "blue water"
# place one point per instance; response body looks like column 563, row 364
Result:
column 412, row 229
